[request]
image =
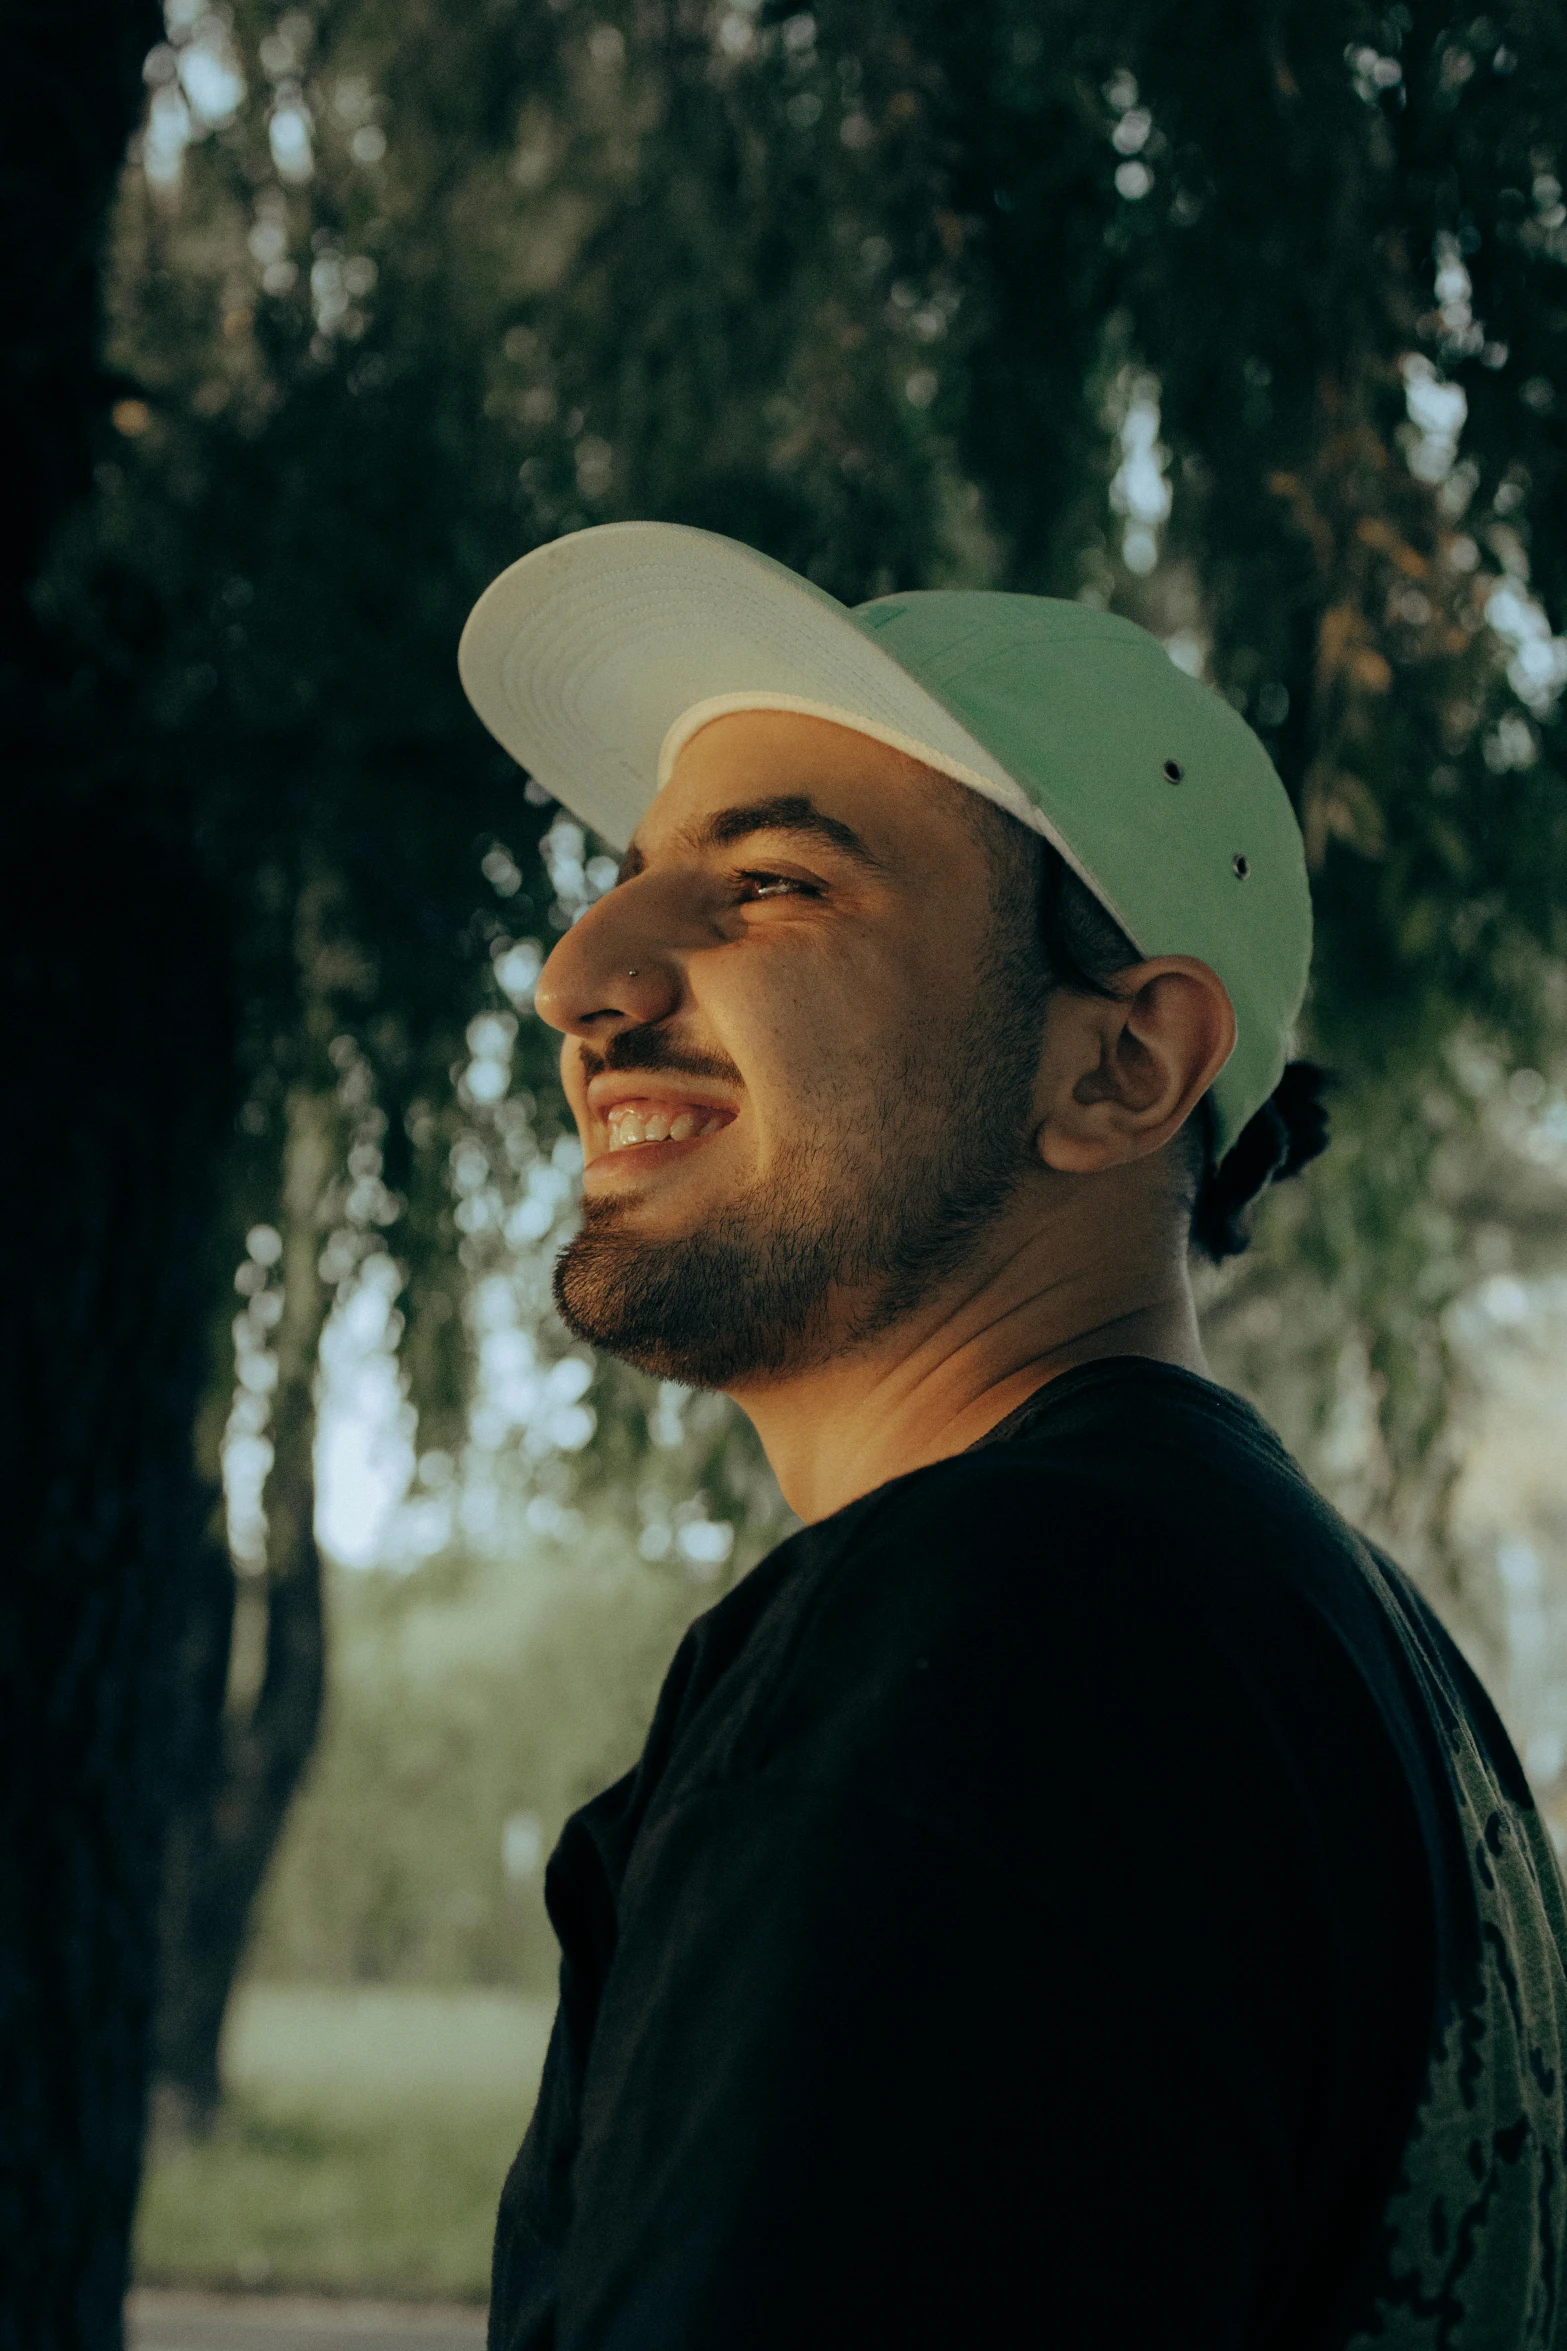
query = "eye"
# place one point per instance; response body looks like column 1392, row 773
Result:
column 759, row 884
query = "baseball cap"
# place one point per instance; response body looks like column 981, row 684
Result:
column 595, row 658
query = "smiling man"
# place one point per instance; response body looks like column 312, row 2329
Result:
column 1073, row 1891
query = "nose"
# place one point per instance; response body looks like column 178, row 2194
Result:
column 616, row 967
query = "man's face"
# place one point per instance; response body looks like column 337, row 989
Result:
column 800, row 1044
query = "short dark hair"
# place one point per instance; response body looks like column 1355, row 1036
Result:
column 1081, row 946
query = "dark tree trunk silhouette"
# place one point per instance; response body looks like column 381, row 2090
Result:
column 103, row 1369
column 118, row 1065
column 245, row 1769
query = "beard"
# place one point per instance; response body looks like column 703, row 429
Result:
column 884, row 1211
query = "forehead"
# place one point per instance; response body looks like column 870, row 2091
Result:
column 895, row 805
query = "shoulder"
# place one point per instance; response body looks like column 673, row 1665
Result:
column 1009, row 1613
column 1138, row 1592
column 1094, row 1607
column 1150, row 1500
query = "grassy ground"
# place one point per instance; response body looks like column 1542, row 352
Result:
column 363, row 2148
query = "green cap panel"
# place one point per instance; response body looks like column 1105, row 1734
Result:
column 1159, row 792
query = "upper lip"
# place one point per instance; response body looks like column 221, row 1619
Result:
column 650, row 1085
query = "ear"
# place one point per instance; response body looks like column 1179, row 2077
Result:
column 1120, row 1075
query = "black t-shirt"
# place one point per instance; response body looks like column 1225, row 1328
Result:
column 1076, row 1895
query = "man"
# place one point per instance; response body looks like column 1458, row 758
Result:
column 1073, row 1891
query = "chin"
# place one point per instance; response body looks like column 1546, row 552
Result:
column 708, row 1309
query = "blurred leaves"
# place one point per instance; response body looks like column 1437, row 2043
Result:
column 878, row 289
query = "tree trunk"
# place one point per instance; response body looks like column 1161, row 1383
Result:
column 119, row 1062
column 240, row 1791
column 117, row 1071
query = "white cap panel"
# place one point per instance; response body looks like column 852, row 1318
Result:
column 581, row 658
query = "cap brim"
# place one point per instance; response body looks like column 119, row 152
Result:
column 581, row 657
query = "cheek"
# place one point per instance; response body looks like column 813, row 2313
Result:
column 863, row 1034
column 814, row 1012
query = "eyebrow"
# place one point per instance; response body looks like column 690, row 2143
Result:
column 785, row 812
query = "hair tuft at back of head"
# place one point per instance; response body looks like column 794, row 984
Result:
column 1285, row 1135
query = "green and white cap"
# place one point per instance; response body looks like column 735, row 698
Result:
column 595, row 658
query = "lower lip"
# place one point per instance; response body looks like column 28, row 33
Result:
column 635, row 1157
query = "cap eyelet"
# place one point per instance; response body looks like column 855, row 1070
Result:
column 1240, row 867
column 1173, row 771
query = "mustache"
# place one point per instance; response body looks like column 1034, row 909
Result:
column 650, row 1050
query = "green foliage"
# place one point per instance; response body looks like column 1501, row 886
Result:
column 884, row 290
column 363, row 2150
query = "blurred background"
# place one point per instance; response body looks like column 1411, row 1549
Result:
column 340, row 1573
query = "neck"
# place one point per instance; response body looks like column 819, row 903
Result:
column 1064, row 1276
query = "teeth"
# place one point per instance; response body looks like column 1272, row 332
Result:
column 633, row 1122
